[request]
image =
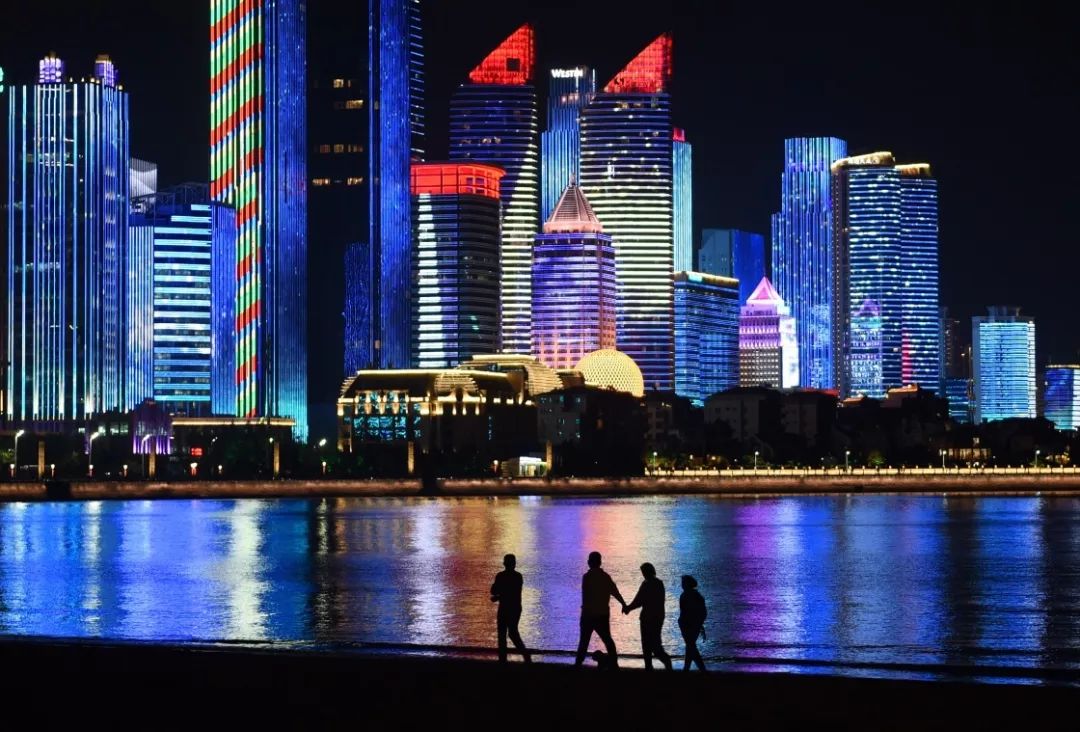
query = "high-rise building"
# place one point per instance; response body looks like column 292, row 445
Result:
column 258, row 165
column 337, row 199
column 734, row 253
column 455, row 306
column 885, row 275
column 67, row 201
column 178, row 239
column 358, row 312
column 569, row 90
column 626, row 171
column 143, row 178
column 573, row 288
column 682, row 200
column 802, row 258
column 395, row 140
column 494, row 120
column 706, row 334
column 1062, row 396
column 768, row 345
column 1003, row 363
column 956, row 367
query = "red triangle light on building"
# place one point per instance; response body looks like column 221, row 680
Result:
column 649, row 72
column 512, row 63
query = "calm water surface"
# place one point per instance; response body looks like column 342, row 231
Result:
column 877, row 580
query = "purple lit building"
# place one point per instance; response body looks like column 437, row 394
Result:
column 768, row 347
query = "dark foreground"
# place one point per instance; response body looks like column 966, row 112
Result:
column 171, row 687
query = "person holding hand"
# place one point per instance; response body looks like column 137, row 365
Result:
column 597, row 589
column 650, row 598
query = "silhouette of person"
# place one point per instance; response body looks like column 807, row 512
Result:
column 650, row 598
column 506, row 590
column 597, row 589
column 692, row 614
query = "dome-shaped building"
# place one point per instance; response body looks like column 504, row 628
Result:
column 611, row 369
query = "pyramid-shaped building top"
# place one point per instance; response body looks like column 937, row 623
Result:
column 765, row 294
column 573, row 214
column 649, row 72
column 512, row 63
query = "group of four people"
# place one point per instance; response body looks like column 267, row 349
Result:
column 597, row 589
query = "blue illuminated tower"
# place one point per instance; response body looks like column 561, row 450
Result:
column 494, row 120
column 67, row 239
column 706, row 335
column 921, row 339
column 1003, row 364
column 573, row 288
column 396, row 129
column 358, row 288
column 802, row 260
column 734, row 253
column 682, row 200
column 569, row 90
column 1062, row 396
column 182, row 245
column 626, row 171
column 258, row 165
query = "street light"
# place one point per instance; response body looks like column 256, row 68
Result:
column 90, row 450
column 847, row 454
column 15, row 457
column 322, row 442
column 756, row 453
column 1037, row 453
column 942, row 453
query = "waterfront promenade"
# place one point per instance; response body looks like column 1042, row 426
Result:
column 721, row 483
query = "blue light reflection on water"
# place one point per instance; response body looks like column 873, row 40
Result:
column 857, row 579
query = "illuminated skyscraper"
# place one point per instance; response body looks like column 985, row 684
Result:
column 682, row 200
column 1062, row 396
column 802, row 258
column 1003, row 362
column 493, row 120
column 396, row 139
column 358, row 313
column 706, row 335
column 573, row 288
column 178, row 239
column 734, row 253
column 569, row 90
column 885, row 275
column 67, row 242
column 626, row 171
column 258, row 165
column 455, row 306
column 768, row 349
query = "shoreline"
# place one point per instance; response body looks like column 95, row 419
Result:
column 924, row 483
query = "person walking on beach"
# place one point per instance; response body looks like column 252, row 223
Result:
column 506, row 590
column 650, row 598
column 692, row 615
column 597, row 589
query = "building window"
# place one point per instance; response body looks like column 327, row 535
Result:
column 339, row 149
column 354, row 104
column 324, row 149
column 354, row 181
column 355, row 148
column 339, row 83
column 320, row 181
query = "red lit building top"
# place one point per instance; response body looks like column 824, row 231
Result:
column 454, row 179
column 678, row 134
column 648, row 73
column 512, row 63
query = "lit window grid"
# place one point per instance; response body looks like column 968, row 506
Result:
column 454, row 302
column 706, row 339
column 682, row 202
column 498, row 125
column 396, row 138
column 802, row 265
column 573, row 297
column 626, row 173
column 66, row 279
column 768, row 347
column 1061, row 398
column 1003, row 356
column 919, row 286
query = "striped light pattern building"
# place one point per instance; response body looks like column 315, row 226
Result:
column 358, row 313
column 494, row 120
column 706, row 335
column 177, row 241
column 258, row 156
column 682, row 200
column 802, row 259
column 885, row 247
column 569, row 91
column 67, row 196
column 396, row 139
column 626, row 171
column 1003, row 365
column 573, row 288
column 1061, row 398
column 455, row 305
column 768, row 348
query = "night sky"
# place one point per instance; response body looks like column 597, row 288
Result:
column 988, row 98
